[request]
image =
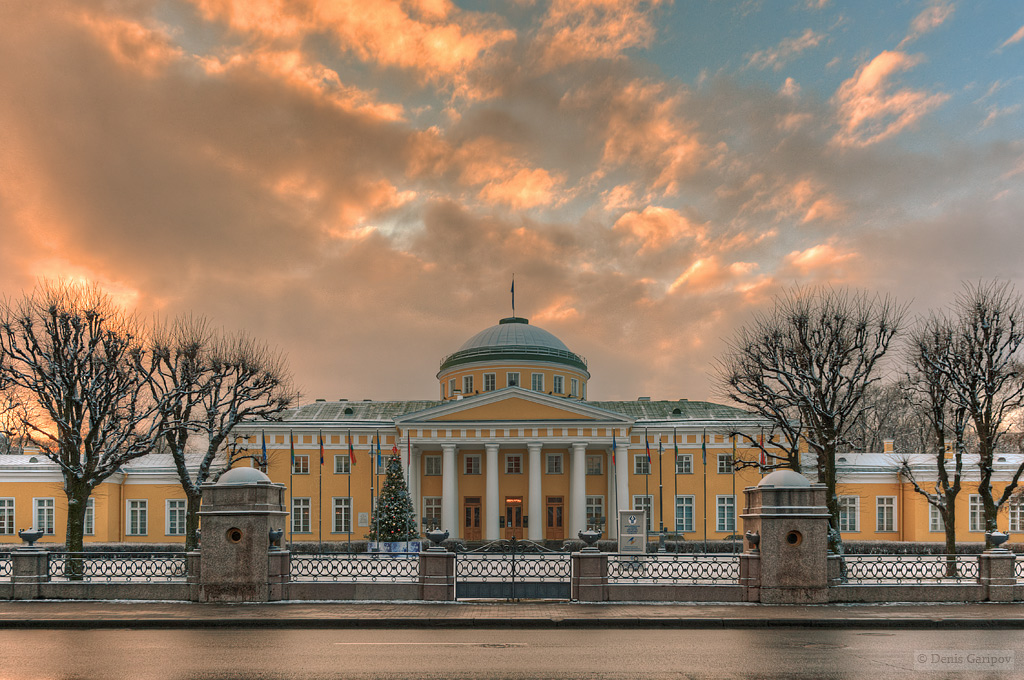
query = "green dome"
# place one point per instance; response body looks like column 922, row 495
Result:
column 513, row 338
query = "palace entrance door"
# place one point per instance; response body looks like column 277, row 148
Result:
column 471, row 519
column 513, row 516
column 554, row 529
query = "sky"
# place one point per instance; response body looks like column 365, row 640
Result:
column 357, row 182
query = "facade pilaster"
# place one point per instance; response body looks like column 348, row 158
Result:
column 414, row 483
column 535, row 532
column 622, row 464
column 578, row 490
column 491, row 512
column 450, row 491
column 611, row 501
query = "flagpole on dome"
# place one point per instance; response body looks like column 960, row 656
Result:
column 513, row 291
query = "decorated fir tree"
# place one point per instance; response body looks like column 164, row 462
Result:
column 393, row 517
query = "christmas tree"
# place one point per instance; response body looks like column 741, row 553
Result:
column 393, row 517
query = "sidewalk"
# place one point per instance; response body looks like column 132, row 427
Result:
column 124, row 614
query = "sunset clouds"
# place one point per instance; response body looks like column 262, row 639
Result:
column 356, row 182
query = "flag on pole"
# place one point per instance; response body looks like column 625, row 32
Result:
column 320, row 437
column 763, row 460
column 613, row 448
column 513, row 291
column 647, row 448
column 704, row 448
column 263, row 462
column 380, row 460
column 291, row 446
column 676, row 445
column 408, row 450
column 351, row 453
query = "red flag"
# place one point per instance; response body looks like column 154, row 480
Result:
column 351, row 453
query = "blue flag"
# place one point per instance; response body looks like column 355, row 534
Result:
column 264, row 461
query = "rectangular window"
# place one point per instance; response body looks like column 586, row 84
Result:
column 885, row 513
column 342, row 464
column 300, row 464
column 431, row 512
column 490, row 381
column 342, row 515
column 849, row 513
column 6, row 516
column 726, row 515
column 725, row 463
column 935, row 522
column 641, row 466
column 976, row 513
column 138, row 519
column 42, row 513
column 512, row 379
column 684, row 514
column 432, row 466
column 513, row 464
column 467, row 384
column 176, row 511
column 554, row 461
column 300, row 515
column 559, row 386
column 595, row 512
column 644, row 503
column 1016, row 510
column 537, row 382
column 90, row 517
column 472, row 464
column 684, row 464
column 595, row 465
column 574, row 387
column 451, row 387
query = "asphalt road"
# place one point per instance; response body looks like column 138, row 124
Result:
column 507, row 653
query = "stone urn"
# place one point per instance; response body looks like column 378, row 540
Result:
column 30, row 536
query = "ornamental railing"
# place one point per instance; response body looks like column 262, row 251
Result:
column 674, row 569
column 121, row 567
column 376, row 567
column 1018, row 568
column 504, row 567
column 5, row 566
column 898, row 569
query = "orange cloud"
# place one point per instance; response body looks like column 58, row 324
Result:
column 929, row 19
column 586, row 30
column 824, row 259
column 524, row 189
column 657, row 227
column 142, row 48
column 777, row 57
column 868, row 109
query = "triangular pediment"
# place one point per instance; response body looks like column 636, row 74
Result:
column 513, row 404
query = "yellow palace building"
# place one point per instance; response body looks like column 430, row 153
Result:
column 513, row 446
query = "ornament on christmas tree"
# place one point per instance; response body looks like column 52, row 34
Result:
column 393, row 517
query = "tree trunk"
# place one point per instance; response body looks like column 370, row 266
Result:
column 949, row 517
column 193, row 498
column 74, row 536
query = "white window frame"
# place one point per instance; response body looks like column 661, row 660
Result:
column 342, row 464
column 885, row 514
column 302, row 515
column 553, row 464
column 725, row 464
column 343, row 504
column 432, row 466
column 89, row 525
column 430, row 517
column 7, row 517
column 641, row 466
column 594, row 510
column 559, row 384
column 685, row 502
column 1015, row 510
column 43, row 514
column 574, row 387
column 512, row 379
column 684, row 464
column 467, row 384
column 490, row 382
column 471, row 464
column 725, row 514
column 595, row 465
column 935, row 522
column 537, row 382
column 136, row 517
column 645, row 502
column 301, row 464
column 515, row 468
column 175, row 516
column 975, row 513
column 849, row 513
column 451, row 387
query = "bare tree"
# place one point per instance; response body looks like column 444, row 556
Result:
column 73, row 353
column 984, row 375
column 890, row 413
column 204, row 385
column 805, row 365
column 931, row 347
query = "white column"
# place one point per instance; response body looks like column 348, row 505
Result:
column 491, row 503
column 536, row 499
column 622, row 468
column 449, row 491
column 578, row 490
column 610, row 524
column 414, row 486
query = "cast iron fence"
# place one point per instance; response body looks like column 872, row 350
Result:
column 375, row 567
column 900, row 569
column 1018, row 568
column 674, row 569
column 5, row 566
column 93, row 566
column 512, row 569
